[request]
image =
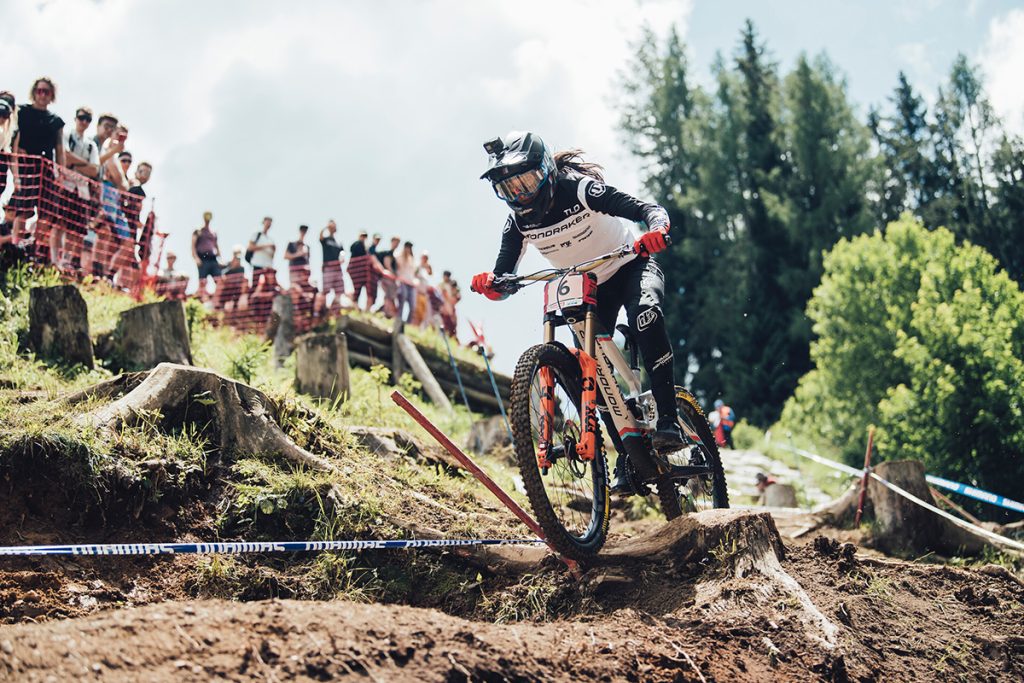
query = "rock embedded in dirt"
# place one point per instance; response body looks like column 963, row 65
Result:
column 488, row 434
column 321, row 366
column 391, row 443
column 148, row 335
column 780, row 496
column 58, row 325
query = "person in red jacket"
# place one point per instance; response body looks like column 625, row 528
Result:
column 726, row 421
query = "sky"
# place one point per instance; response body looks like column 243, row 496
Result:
column 373, row 112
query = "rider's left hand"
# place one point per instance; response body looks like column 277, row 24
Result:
column 651, row 242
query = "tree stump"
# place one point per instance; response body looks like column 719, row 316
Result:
column 235, row 417
column 900, row 526
column 321, row 365
column 58, row 324
column 487, row 434
column 148, row 335
column 284, row 333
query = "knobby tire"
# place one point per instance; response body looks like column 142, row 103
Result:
column 566, row 372
column 669, row 492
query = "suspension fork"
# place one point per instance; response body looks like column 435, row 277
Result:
column 587, row 448
column 547, row 418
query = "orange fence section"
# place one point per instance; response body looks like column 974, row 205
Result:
column 91, row 228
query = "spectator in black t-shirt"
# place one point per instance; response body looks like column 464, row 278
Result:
column 359, row 270
column 358, row 247
column 41, row 134
column 333, row 279
column 297, row 255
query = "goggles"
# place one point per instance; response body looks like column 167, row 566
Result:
column 522, row 188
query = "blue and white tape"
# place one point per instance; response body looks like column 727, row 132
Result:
column 239, row 547
column 976, row 493
column 956, row 487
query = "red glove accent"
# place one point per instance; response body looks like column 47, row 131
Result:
column 483, row 283
column 651, row 242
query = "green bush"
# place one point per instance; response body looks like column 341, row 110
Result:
column 925, row 339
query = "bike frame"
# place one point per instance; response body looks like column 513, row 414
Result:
column 599, row 359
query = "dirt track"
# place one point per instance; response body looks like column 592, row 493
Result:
column 651, row 613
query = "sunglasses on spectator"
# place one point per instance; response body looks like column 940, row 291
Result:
column 84, row 117
column 43, row 91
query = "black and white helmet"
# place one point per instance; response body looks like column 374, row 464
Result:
column 522, row 171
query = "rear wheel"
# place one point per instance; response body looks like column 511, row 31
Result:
column 697, row 493
column 570, row 499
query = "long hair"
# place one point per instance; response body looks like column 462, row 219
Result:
column 572, row 159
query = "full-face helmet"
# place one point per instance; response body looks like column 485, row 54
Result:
column 522, row 171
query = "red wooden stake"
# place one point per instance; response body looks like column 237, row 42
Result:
column 475, row 470
column 867, row 473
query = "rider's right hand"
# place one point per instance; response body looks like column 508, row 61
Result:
column 483, row 283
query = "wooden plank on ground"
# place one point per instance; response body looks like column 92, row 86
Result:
column 420, row 370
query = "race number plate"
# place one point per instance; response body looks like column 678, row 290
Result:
column 570, row 291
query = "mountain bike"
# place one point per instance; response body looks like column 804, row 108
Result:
column 557, row 395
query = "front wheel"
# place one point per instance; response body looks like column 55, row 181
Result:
column 697, row 493
column 569, row 495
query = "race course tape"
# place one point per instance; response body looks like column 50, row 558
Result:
column 977, row 494
column 973, row 528
column 239, row 547
column 954, row 486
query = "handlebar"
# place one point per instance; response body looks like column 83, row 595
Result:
column 510, row 284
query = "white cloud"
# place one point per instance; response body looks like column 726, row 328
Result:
column 916, row 61
column 1002, row 60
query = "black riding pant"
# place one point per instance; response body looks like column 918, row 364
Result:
column 640, row 287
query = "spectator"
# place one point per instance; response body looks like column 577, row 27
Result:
column 232, row 285
column 261, row 300
column 118, row 240
column 97, row 249
column 763, row 481
column 83, row 158
column 41, row 135
column 133, row 208
column 260, row 251
column 386, row 272
column 170, row 282
column 206, row 253
column 450, row 297
column 405, row 271
column 297, row 254
column 333, row 278
column 726, row 421
column 306, row 300
column 373, row 273
column 8, row 125
column 359, row 270
column 374, row 244
column 425, row 308
column 105, row 127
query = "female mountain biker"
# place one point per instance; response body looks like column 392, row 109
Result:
column 561, row 205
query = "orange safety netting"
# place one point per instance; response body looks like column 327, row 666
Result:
column 89, row 228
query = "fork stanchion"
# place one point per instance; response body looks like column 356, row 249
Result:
column 481, row 476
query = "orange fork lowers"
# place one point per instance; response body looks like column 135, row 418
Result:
column 587, row 448
column 547, row 418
